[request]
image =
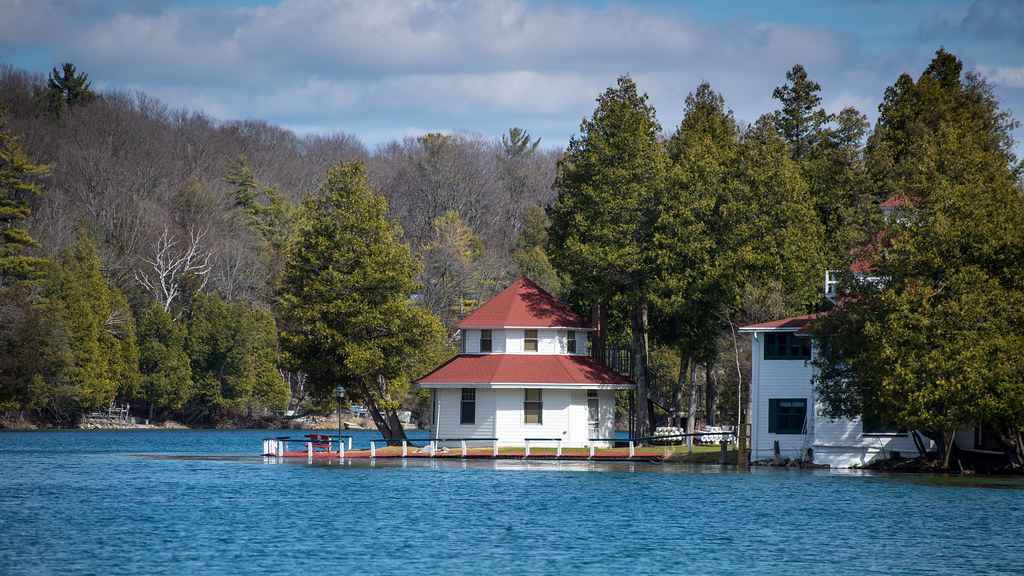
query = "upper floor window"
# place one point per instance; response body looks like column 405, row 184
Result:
column 570, row 342
column 530, row 341
column 786, row 346
column 485, row 340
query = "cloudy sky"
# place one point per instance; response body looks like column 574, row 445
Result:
column 383, row 69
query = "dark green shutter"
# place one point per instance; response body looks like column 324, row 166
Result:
column 773, row 414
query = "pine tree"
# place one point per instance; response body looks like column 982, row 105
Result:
column 938, row 345
column 19, row 180
column 346, row 297
column 610, row 188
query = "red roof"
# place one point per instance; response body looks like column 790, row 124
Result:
column 524, row 305
column 523, row 369
column 796, row 323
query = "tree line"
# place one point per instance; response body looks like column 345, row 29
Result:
column 144, row 247
column 200, row 266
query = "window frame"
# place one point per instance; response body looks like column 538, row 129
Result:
column 776, row 415
column 533, row 408
column 467, row 406
column 531, row 341
column 486, row 335
column 570, row 342
column 786, row 346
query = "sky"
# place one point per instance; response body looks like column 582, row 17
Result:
column 385, row 69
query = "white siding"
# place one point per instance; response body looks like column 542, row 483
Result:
column 471, row 337
column 777, row 379
column 840, row 444
column 555, row 417
column 448, row 407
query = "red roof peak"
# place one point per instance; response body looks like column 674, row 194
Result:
column 523, row 304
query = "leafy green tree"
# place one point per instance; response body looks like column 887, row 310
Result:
column 530, row 251
column 691, row 235
column 19, row 179
column 840, row 186
column 449, row 276
column 66, row 89
column 801, row 120
column 232, row 350
column 935, row 346
column 270, row 213
column 610, row 186
column 345, row 297
column 774, row 233
column 87, row 332
column 20, row 361
column 163, row 362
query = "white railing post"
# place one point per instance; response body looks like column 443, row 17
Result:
column 433, row 447
column 373, row 448
column 631, row 448
column 349, row 442
column 527, row 455
column 463, row 447
column 591, row 447
column 558, row 451
column 341, row 449
column 309, row 449
column 405, row 447
column 494, row 447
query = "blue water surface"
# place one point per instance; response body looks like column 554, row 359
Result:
column 202, row 502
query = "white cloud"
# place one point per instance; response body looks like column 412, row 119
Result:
column 386, row 65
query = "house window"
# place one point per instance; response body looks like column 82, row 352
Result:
column 874, row 426
column 485, row 340
column 533, row 407
column 530, row 341
column 467, row 415
column 786, row 346
column 570, row 343
column 592, row 407
column 786, row 415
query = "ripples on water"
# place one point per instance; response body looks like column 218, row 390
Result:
column 199, row 502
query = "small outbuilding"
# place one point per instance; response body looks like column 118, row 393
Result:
column 524, row 372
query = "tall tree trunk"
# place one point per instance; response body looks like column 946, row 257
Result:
column 639, row 329
column 385, row 420
column 710, row 394
column 691, row 407
column 677, row 395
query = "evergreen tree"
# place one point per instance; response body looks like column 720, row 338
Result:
column 163, row 364
column 66, row 89
column 87, row 332
column 19, row 179
column 691, row 237
column 610, row 188
column 936, row 345
column 346, row 298
column 801, row 120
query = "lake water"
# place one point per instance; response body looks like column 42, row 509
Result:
column 200, row 502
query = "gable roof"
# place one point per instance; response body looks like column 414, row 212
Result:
column 525, row 305
column 519, row 370
column 794, row 324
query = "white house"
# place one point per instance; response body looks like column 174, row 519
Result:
column 523, row 373
column 784, row 408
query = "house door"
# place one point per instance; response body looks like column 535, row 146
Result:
column 593, row 415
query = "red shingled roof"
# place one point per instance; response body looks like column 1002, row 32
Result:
column 798, row 323
column 523, row 305
column 523, row 369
